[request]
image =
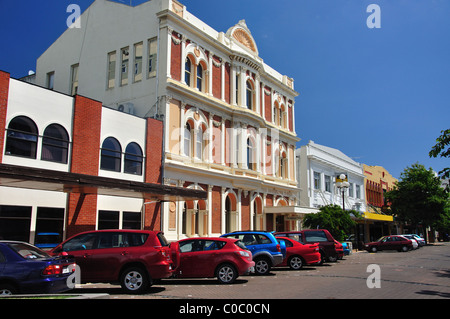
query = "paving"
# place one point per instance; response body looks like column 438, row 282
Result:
column 420, row 274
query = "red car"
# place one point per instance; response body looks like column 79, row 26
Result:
column 224, row 258
column 339, row 249
column 134, row 258
column 394, row 242
column 327, row 244
column 298, row 254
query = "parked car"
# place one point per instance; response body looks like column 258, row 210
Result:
column 393, row 242
column 47, row 241
column 327, row 244
column 24, row 268
column 133, row 258
column 298, row 254
column 339, row 249
column 266, row 250
column 414, row 241
column 208, row 257
column 419, row 239
column 346, row 249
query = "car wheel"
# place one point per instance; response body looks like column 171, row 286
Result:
column 295, row 262
column 226, row 274
column 373, row 249
column 134, row 280
column 405, row 248
column 7, row 290
column 262, row 266
column 332, row 259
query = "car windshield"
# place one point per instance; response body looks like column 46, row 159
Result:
column 163, row 240
column 381, row 238
column 28, row 251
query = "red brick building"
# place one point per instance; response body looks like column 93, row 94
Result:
column 51, row 161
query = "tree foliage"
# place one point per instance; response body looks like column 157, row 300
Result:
column 442, row 149
column 333, row 218
column 418, row 197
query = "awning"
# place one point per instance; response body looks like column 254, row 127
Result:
column 378, row 217
column 50, row 180
column 301, row 211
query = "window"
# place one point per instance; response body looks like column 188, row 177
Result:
column 187, row 71
column 133, row 159
column 74, row 79
column 200, row 144
column 237, row 89
column 131, row 220
column 187, row 140
column 315, row 236
column 350, row 190
column 358, row 191
column 55, row 144
column 108, row 219
column 22, row 137
column 15, row 222
column 50, row 80
column 327, row 183
column 283, row 166
column 317, row 180
column 111, row 69
column 111, row 154
column 249, row 95
column 124, row 53
column 251, row 162
column 199, row 77
column 137, row 72
column 152, row 56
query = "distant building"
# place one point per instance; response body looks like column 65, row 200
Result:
column 378, row 220
column 318, row 168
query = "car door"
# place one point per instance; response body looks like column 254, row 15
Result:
column 195, row 261
column 250, row 241
column 108, row 256
column 82, row 248
column 319, row 236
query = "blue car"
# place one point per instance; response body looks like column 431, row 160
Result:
column 27, row 269
column 47, row 241
column 266, row 250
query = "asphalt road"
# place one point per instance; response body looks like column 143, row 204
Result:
column 418, row 274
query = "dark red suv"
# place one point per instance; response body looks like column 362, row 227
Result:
column 133, row 258
column 327, row 244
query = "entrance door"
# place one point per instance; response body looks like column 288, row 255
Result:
column 280, row 223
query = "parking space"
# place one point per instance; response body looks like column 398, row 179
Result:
column 418, row 274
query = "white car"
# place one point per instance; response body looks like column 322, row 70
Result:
column 414, row 241
column 419, row 239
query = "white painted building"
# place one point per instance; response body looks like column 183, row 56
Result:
column 318, row 167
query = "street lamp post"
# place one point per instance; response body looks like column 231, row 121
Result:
column 342, row 183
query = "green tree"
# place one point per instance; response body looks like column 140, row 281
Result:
column 418, row 197
column 442, row 149
column 333, row 218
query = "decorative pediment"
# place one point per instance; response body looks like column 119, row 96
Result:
column 243, row 36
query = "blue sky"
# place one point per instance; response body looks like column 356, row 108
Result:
column 381, row 96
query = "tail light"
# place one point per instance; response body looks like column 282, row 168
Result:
column 279, row 248
column 52, row 270
column 164, row 253
column 243, row 253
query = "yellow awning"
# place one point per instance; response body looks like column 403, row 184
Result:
column 380, row 217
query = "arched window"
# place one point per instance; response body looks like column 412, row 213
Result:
column 111, row 155
column 55, row 144
column 188, row 140
column 133, row 159
column 22, row 137
column 249, row 95
column 187, row 71
column 200, row 77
